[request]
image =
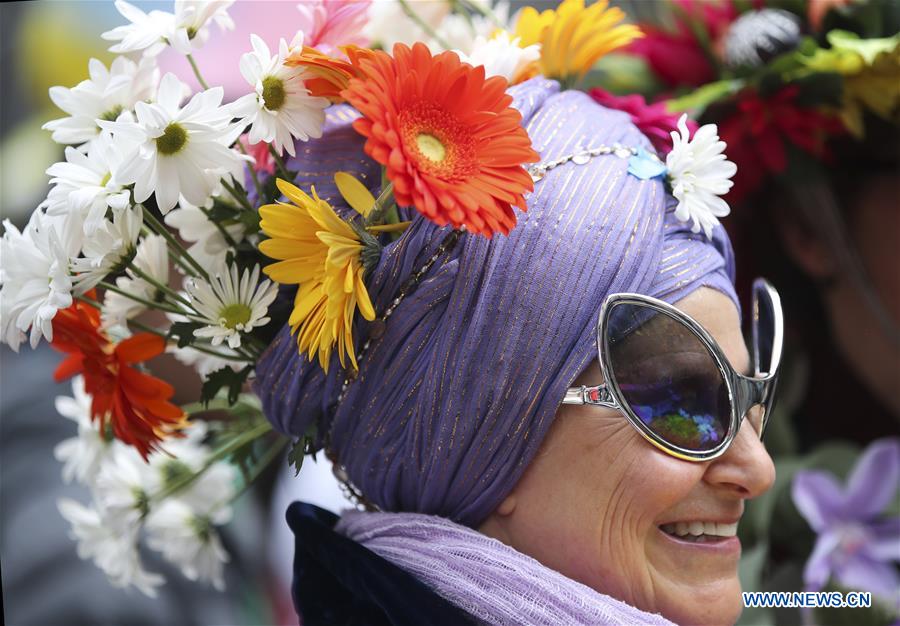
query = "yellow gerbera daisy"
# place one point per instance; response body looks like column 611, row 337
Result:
column 574, row 37
column 321, row 252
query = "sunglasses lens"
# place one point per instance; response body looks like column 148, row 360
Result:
column 667, row 377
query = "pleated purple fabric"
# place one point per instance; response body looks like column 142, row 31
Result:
column 453, row 400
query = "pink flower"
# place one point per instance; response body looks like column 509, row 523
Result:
column 327, row 24
column 652, row 119
column 260, row 152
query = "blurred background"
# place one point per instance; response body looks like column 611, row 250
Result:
column 825, row 230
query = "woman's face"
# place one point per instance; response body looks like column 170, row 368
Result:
column 593, row 502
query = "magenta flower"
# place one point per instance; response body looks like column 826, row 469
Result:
column 327, row 24
column 652, row 119
column 857, row 544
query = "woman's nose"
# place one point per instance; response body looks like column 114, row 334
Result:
column 746, row 467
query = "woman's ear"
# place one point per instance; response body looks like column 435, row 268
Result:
column 496, row 524
column 806, row 248
column 507, row 506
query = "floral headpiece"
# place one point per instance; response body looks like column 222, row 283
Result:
column 780, row 78
column 152, row 182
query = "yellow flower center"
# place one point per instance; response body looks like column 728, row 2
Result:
column 431, row 147
column 172, row 140
column 235, row 315
column 112, row 114
column 273, row 93
column 106, row 179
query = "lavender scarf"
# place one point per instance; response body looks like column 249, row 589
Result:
column 486, row 578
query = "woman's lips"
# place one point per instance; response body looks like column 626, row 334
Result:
column 721, row 539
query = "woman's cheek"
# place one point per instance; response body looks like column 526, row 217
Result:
column 639, row 491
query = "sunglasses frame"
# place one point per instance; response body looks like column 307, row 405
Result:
column 744, row 392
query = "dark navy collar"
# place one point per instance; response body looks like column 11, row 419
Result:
column 338, row 581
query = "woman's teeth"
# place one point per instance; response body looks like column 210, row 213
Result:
column 700, row 531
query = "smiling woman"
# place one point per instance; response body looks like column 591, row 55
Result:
column 601, row 506
column 491, row 498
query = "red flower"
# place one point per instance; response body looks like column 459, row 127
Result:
column 651, row 119
column 453, row 146
column 759, row 131
column 676, row 56
column 136, row 404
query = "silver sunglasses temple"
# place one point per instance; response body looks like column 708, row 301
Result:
column 597, row 396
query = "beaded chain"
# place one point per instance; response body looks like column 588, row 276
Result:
column 377, row 327
column 376, row 331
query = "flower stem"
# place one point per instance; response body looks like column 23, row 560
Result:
column 382, row 202
column 256, row 183
column 483, row 9
column 270, row 455
column 177, row 297
column 158, row 306
column 279, row 163
column 197, row 73
column 154, row 331
column 221, row 228
column 215, row 404
column 160, row 229
column 232, row 446
column 239, row 196
column 404, row 4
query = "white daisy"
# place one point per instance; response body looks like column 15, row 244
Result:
column 86, row 184
column 146, row 33
column 202, row 362
column 282, row 108
column 208, row 245
column 699, row 173
column 179, row 150
column 34, row 280
column 109, row 251
column 151, row 258
column 191, row 23
column 83, row 455
column 186, row 30
column 501, row 55
column 105, row 95
column 123, row 488
column 111, row 549
column 189, row 540
column 231, row 305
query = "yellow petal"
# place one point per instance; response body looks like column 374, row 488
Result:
column 293, row 193
column 355, row 193
column 365, row 304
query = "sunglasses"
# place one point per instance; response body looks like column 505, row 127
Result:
column 674, row 383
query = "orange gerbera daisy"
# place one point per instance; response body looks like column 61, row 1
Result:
column 136, row 404
column 453, row 146
column 329, row 75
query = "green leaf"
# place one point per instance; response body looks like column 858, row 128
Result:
column 697, row 100
column 868, row 49
column 224, row 378
column 184, row 332
column 295, row 456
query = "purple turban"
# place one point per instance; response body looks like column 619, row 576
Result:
column 453, row 400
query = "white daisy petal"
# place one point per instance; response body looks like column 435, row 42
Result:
column 231, row 304
column 699, row 173
column 284, row 110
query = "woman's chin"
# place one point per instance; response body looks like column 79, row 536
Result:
column 716, row 604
